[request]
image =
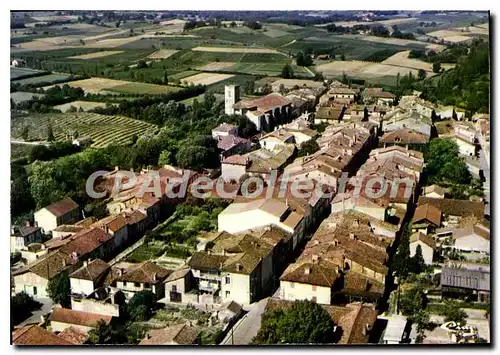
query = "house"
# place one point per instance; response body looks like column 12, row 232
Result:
column 18, row 63
column 89, row 244
column 238, row 217
column 412, row 121
column 378, row 96
column 265, row 112
column 104, row 300
column 278, row 137
column 466, row 140
column 89, row 277
column 427, row 245
column 325, row 114
column 34, row 335
column 230, row 145
column 180, row 334
column 471, row 285
column 66, row 230
column 224, row 130
column 63, row 318
column 345, row 260
column 234, row 268
column 22, row 236
column 82, row 142
column 117, row 226
column 301, row 131
column 229, row 311
column 450, row 112
column 33, row 279
column 434, row 191
column 65, row 211
column 177, row 284
column 427, row 219
column 454, row 211
column 405, row 137
column 234, row 167
column 336, row 93
column 73, row 335
column 143, row 276
column 473, row 238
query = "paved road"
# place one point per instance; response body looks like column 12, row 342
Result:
column 29, row 143
column 36, row 317
column 247, row 327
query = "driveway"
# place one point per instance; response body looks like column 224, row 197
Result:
column 247, row 327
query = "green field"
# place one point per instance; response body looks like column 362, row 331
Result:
column 17, row 73
column 43, row 79
column 102, row 129
column 18, row 151
column 143, row 89
column 21, row 96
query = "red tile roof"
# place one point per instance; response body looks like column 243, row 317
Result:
column 73, row 335
column 62, row 207
column 69, row 316
column 36, row 335
column 86, row 242
column 95, row 269
column 265, row 103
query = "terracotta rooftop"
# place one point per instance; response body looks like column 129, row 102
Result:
column 225, row 127
column 181, row 334
column 73, row 335
column 418, row 236
column 62, row 207
column 227, row 142
column 146, row 272
column 427, row 212
column 34, row 335
column 92, row 272
column 70, row 316
column 404, row 136
column 85, row 242
column 452, row 207
column 265, row 103
column 236, row 160
column 68, row 228
column 47, row 266
column 322, row 273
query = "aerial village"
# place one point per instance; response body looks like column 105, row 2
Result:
column 269, row 252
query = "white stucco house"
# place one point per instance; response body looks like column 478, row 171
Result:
column 426, row 243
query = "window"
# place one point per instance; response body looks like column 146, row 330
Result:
column 137, row 284
column 292, row 285
column 124, row 283
column 228, row 294
column 34, row 290
column 228, row 280
column 174, row 288
column 313, row 299
column 314, row 287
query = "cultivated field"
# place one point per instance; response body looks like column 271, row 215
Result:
column 385, row 22
column 236, row 50
column 401, row 60
column 397, row 41
column 16, row 73
column 103, row 130
column 55, row 18
column 95, row 55
column 20, row 96
column 162, row 54
column 108, row 86
column 216, row 66
column 452, row 35
column 84, row 105
column 205, row 79
column 42, row 79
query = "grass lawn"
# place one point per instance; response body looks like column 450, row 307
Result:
column 147, row 252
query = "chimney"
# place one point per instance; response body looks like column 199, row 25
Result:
column 238, row 267
column 315, row 257
column 154, row 277
column 64, row 262
column 120, row 272
column 27, row 223
column 307, row 270
column 85, row 263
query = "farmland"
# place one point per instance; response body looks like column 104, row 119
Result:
column 205, row 79
column 84, row 105
column 236, row 50
column 95, row 55
column 103, row 130
column 109, row 86
column 43, row 79
column 162, row 54
column 19, row 73
column 20, row 96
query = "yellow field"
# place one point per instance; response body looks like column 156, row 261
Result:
column 85, row 105
column 93, row 85
column 215, row 66
column 95, row 55
column 453, row 35
column 339, row 67
column 162, row 54
column 112, row 42
column 385, row 22
column 236, row 50
column 54, row 18
column 205, row 79
column 401, row 59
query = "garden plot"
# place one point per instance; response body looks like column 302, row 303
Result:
column 95, row 55
column 112, row 42
column 397, row 42
column 84, row 105
column 401, row 60
column 216, row 66
column 20, row 96
column 16, row 73
column 94, row 85
column 453, row 36
column 162, row 54
column 205, row 79
column 43, row 79
column 236, row 50
column 102, row 129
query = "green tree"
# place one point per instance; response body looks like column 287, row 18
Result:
column 165, row 78
column 59, row 289
column 342, row 57
column 436, row 67
column 303, row 323
column 308, row 148
column 165, row 158
column 25, row 133
column 412, row 300
column 50, row 133
column 287, row 72
column 421, row 74
column 22, row 305
column 140, row 306
column 418, row 261
column 453, row 313
column 193, row 157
